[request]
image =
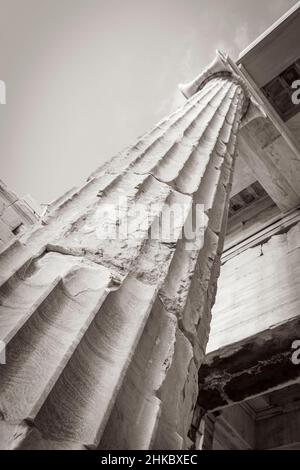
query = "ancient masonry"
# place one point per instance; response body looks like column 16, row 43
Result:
column 15, row 214
column 105, row 336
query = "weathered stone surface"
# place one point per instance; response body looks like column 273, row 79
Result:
column 15, row 214
column 250, row 348
column 267, row 282
column 251, row 367
column 107, row 333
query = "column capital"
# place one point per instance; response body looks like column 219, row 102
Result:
column 223, row 66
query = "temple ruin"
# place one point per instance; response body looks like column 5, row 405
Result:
column 132, row 342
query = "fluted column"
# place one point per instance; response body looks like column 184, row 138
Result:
column 105, row 333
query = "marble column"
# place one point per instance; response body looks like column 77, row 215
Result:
column 105, row 317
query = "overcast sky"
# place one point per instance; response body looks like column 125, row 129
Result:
column 87, row 77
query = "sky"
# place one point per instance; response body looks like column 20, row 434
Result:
column 85, row 78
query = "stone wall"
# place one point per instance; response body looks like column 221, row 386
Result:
column 108, row 332
column 15, row 214
column 266, row 280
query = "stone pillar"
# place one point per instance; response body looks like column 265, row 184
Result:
column 105, row 333
column 209, row 430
